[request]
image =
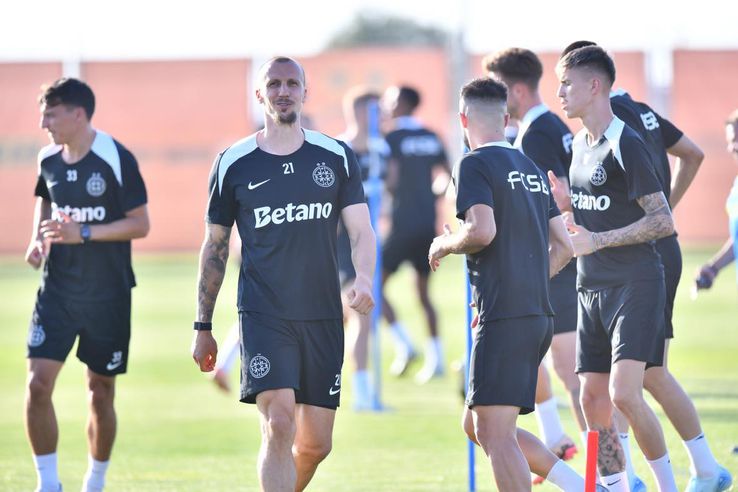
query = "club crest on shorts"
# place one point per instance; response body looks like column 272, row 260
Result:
column 323, row 175
column 96, row 185
column 36, row 335
column 599, row 175
column 259, row 366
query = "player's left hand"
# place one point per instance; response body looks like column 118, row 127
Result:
column 581, row 238
column 437, row 248
column 360, row 296
column 63, row 231
column 204, row 350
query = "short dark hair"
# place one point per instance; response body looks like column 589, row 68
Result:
column 575, row 46
column 70, row 92
column 409, row 96
column 485, row 89
column 515, row 65
column 592, row 57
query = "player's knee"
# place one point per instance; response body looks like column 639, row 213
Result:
column 314, row 452
column 628, row 402
column 39, row 390
column 655, row 379
column 100, row 394
column 280, row 426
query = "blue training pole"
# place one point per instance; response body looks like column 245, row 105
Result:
column 467, row 366
column 373, row 190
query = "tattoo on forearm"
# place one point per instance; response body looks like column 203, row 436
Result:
column 610, row 459
column 657, row 223
column 213, row 258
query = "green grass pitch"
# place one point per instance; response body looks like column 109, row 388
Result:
column 178, row 433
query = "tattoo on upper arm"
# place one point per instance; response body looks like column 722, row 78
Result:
column 610, row 459
column 657, row 223
column 213, row 259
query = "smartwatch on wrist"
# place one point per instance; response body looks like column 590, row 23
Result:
column 84, row 232
column 203, row 326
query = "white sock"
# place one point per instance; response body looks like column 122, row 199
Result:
column 702, row 461
column 362, row 393
column 617, row 482
column 662, row 472
column 625, row 443
column 47, row 472
column 434, row 353
column 94, row 480
column 401, row 338
column 549, row 425
column 564, row 477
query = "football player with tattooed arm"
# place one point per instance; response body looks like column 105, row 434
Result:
column 619, row 210
column 514, row 241
column 285, row 187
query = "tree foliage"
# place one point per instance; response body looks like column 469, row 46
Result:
column 375, row 29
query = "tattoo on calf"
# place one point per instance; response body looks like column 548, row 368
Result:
column 611, row 458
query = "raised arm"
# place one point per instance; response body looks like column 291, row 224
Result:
column 213, row 259
column 37, row 247
column 363, row 255
column 689, row 157
column 134, row 225
column 655, row 224
column 560, row 249
column 476, row 232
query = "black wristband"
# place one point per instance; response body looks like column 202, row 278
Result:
column 203, row 326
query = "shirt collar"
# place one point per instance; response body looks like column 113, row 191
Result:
column 612, row 133
column 530, row 116
column 618, row 92
column 407, row 123
column 499, row 143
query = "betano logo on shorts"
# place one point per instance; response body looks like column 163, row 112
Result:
column 590, row 202
column 291, row 213
column 79, row 214
column 531, row 182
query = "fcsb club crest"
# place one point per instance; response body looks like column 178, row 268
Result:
column 323, row 175
column 96, row 185
column 36, row 335
column 259, row 366
column 599, row 175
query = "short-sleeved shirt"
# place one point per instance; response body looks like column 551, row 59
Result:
column 606, row 179
column 732, row 207
column 546, row 140
column 98, row 189
column 658, row 133
column 415, row 150
column 509, row 277
column 286, row 208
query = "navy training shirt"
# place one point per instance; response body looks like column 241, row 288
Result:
column 286, row 208
column 98, row 189
column 415, row 150
column 510, row 276
column 606, row 180
column 657, row 132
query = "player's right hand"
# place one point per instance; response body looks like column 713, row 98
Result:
column 705, row 277
column 360, row 296
column 35, row 254
column 561, row 197
column 204, row 350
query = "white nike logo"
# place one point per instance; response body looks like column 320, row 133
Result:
column 51, row 184
column 113, row 365
column 334, row 392
column 254, row 186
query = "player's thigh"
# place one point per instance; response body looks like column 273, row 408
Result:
column 270, row 355
column 505, row 360
column 314, row 428
column 52, row 330
column 321, row 353
column 564, row 354
column 633, row 315
column 105, row 335
column 42, row 374
column 593, row 342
